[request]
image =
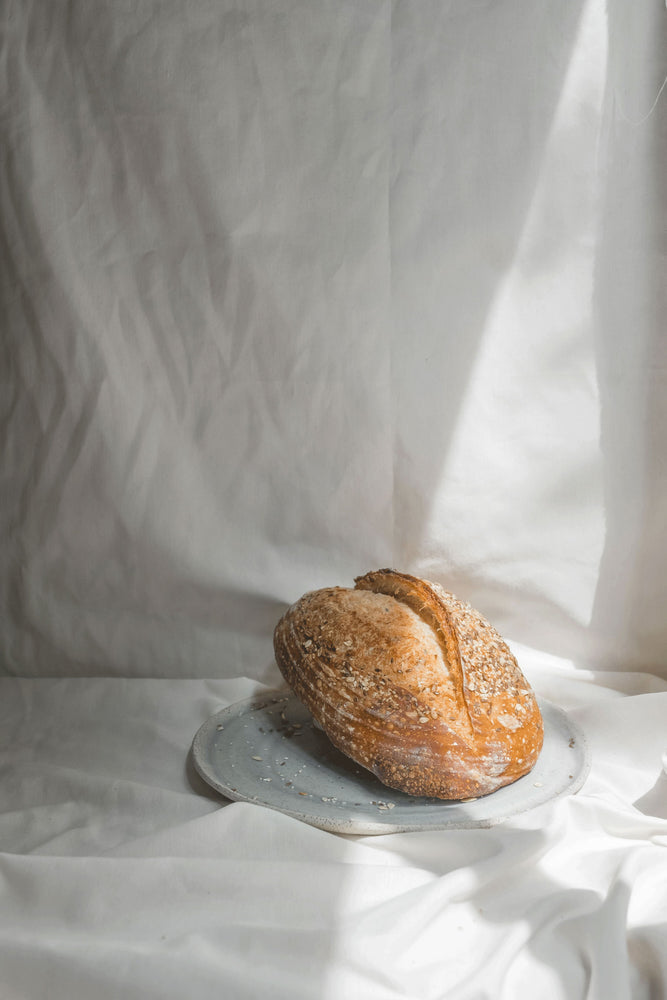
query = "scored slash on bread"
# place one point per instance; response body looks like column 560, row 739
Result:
column 411, row 683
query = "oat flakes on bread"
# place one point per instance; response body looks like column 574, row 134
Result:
column 412, row 684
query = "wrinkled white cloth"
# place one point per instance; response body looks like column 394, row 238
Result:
column 293, row 291
column 122, row 875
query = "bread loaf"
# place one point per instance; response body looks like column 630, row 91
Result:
column 412, row 684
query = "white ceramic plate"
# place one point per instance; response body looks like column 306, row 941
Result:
column 267, row 750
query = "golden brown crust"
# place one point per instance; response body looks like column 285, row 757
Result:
column 411, row 683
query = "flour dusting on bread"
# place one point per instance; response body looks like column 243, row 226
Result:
column 413, row 684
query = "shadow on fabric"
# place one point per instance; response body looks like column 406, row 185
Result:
column 629, row 625
column 490, row 81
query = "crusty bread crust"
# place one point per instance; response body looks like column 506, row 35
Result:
column 413, row 684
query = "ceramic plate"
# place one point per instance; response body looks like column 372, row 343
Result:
column 267, row 750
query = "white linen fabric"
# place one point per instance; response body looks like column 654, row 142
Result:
column 294, row 290
column 290, row 291
column 122, row 876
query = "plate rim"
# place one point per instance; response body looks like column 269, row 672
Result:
column 367, row 826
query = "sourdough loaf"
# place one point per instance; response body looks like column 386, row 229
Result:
column 411, row 683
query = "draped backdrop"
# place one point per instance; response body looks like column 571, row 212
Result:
column 291, row 291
